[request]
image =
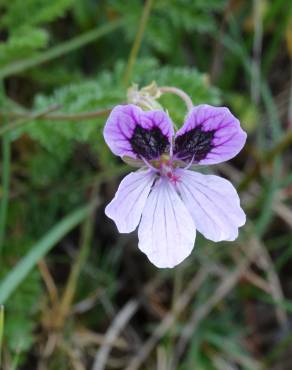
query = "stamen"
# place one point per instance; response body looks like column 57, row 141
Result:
column 148, row 164
column 190, row 164
column 171, row 148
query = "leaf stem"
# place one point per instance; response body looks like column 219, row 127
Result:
column 22, row 121
column 58, row 116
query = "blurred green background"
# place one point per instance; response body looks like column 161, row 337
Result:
column 76, row 294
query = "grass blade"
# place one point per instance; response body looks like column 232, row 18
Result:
column 1, row 330
column 5, row 186
column 40, row 249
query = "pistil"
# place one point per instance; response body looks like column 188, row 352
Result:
column 166, row 168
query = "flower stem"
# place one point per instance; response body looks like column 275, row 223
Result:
column 137, row 41
column 176, row 91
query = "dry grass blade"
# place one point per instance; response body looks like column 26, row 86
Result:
column 221, row 363
column 257, row 281
column 280, row 209
column 283, row 211
column 73, row 356
column 83, row 337
column 223, row 289
column 162, row 359
column 49, row 281
column 267, row 265
column 113, row 332
column 182, row 301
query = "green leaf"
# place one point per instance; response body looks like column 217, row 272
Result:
column 59, row 50
column 22, row 44
column 33, row 12
column 170, row 20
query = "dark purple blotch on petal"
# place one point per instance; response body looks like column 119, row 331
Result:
column 194, row 144
column 149, row 143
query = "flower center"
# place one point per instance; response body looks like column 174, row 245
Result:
column 166, row 168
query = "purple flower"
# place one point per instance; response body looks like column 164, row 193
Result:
column 165, row 198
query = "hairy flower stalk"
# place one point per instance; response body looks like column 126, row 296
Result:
column 168, row 200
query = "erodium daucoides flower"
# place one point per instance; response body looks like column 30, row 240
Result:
column 165, row 197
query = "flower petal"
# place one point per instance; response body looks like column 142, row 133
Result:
column 129, row 131
column 127, row 206
column 167, row 232
column 209, row 135
column 213, row 203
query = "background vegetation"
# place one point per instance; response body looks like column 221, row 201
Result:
column 76, row 294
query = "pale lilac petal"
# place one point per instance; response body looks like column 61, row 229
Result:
column 209, row 135
column 213, row 203
column 130, row 131
column 127, row 206
column 166, row 232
